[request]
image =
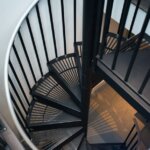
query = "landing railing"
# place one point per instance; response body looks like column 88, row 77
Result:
column 124, row 54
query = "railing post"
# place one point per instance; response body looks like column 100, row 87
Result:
column 136, row 48
column 90, row 42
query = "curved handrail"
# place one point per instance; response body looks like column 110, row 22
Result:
column 22, row 133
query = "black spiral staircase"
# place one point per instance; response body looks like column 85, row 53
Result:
column 52, row 104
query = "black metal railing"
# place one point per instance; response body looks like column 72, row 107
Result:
column 126, row 49
column 28, row 58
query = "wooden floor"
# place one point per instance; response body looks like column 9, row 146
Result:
column 110, row 117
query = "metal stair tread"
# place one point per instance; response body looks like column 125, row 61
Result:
column 50, row 139
column 66, row 67
column 41, row 114
column 52, row 90
column 74, row 144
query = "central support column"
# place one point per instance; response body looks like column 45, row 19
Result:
column 92, row 18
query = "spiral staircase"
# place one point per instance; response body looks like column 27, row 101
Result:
column 50, row 88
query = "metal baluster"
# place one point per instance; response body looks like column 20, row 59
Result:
column 134, row 17
column 136, row 48
column 42, row 33
column 22, row 125
column 106, row 26
column 74, row 21
column 52, row 27
column 63, row 25
column 27, row 56
column 147, row 76
column 15, row 91
column 132, row 139
column 21, row 88
column 17, row 107
column 121, row 30
column 23, row 71
column 34, row 45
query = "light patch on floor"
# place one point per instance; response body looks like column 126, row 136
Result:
column 110, row 116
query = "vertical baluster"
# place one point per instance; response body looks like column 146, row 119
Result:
column 22, row 125
column 17, row 107
column 22, row 69
column 34, row 45
column 42, row 33
column 15, row 91
column 26, row 54
column 63, row 25
column 21, row 88
column 134, row 17
column 52, row 27
column 106, row 26
column 136, row 48
column 121, row 30
column 144, row 82
column 75, row 3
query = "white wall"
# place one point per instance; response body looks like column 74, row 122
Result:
column 10, row 14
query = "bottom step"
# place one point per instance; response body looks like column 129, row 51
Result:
column 55, row 138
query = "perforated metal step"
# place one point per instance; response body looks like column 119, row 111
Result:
column 55, row 138
column 65, row 67
column 42, row 117
column 50, row 89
